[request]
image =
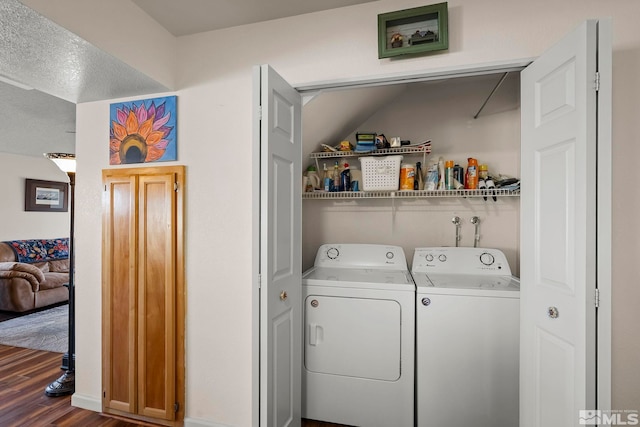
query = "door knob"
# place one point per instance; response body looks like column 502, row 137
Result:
column 552, row 312
column 283, row 296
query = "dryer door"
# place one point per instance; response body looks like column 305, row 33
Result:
column 355, row 337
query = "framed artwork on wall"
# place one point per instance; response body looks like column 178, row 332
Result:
column 412, row 31
column 143, row 131
column 46, row 196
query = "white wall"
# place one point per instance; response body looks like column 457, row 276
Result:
column 215, row 142
column 16, row 222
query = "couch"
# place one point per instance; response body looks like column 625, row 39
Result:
column 33, row 273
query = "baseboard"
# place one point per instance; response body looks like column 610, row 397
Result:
column 193, row 422
column 95, row 405
column 86, row 402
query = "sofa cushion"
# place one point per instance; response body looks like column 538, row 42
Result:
column 31, row 273
column 6, row 253
column 43, row 266
column 59, row 266
column 54, row 280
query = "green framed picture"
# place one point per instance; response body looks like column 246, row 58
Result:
column 411, row 31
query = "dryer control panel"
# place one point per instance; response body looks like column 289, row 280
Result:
column 445, row 260
column 354, row 255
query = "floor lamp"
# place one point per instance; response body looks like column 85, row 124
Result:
column 66, row 383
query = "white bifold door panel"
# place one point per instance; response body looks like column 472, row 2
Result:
column 280, row 251
column 558, row 244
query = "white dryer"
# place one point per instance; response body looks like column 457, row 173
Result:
column 467, row 338
column 359, row 337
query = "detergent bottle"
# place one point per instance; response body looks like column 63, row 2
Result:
column 345, row 178
column 326, row 178
column 336, row 177
column 471, row 180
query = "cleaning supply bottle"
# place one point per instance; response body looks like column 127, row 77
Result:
column 345, row 178
column 471, row 180
column 458, row 175
column 441, row 174
column 483, row 171
column 336, row 177
column 326, row 178
column 419, row 183
column 407, row 176
column 314, row 179
column 432, row 177
column 448, row 175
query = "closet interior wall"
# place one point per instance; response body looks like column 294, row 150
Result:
column 441, row 111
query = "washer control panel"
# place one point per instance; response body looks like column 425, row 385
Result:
column 458, row 260
column 353, row 255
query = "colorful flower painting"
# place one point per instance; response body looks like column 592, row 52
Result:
column 143, row 131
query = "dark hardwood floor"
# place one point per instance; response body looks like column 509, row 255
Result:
column 25, row 373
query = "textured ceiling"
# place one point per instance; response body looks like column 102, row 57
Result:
column 63, row 70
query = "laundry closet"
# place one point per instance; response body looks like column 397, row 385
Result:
column 462, row 117
column 556, row 139
column 476, row 116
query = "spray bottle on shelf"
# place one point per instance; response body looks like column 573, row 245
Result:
column 419, row 183
column 458, row 176
column 471, row 180
column 345, row 178
column 326, row 178
column 441, row 174
column 448, row 175
column 336, row 177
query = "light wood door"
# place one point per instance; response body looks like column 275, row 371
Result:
column 142, row 293
column 119, row 293
column 558, row 237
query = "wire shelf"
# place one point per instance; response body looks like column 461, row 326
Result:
column 417, row 194
column 423, row 149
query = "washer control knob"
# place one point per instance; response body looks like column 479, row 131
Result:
column 426, row 301
column 442, row 257
column 429, row 257
column 390, row 255
column 487, row 259
column 333, row 253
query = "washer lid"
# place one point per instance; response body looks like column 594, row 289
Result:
column 358, row 278
column 467, row 284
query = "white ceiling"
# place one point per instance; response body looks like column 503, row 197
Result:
column 64, row 70
column 195, row 16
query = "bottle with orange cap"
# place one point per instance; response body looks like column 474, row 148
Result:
column 471, row 180
column 448, row 175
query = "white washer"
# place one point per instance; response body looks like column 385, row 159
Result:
column 359, row 337
column 467, row 338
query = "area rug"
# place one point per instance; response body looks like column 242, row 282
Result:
column 45, row 330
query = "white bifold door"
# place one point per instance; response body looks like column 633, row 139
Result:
column 280, row 251
column 558, row 231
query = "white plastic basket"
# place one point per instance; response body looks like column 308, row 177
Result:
column 380, row 173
